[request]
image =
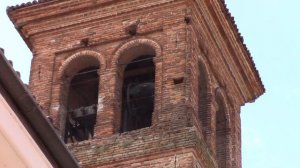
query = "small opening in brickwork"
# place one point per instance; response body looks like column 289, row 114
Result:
column 85, row 42
column 138, row 94
column 82, row 105
column 178, row 80
column 221, row 135
column 187, row 20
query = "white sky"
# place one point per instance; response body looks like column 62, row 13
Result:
column 271, row 29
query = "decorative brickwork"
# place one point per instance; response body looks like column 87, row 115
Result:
column 186, row 55
column 76, row 59
column 223, row 129
column 141, row 45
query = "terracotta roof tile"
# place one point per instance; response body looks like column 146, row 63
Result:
column 231, row 20
column 10, row 63
column 9, row 8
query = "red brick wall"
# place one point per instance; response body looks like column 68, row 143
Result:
column 183, row 130
column 144, row 145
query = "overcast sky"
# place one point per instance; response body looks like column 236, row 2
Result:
column 271, row 29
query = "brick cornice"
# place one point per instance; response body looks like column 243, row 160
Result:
column 31, row 21
column 231, row 49
column 239, row 53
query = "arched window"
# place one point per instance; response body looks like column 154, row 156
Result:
column 79, row 98
column 222, row 150
column 82, row 105
column 138, row 93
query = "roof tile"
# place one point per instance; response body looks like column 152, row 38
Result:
column 10, row 8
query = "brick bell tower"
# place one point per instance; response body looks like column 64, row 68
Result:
column 140, row 83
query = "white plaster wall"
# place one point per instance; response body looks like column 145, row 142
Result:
column 18, row 149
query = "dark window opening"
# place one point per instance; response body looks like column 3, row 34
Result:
column 138, row 94
column 82, row 105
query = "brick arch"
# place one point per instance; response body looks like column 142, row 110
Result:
column 125, row 53
column 223, row 129
column 202, row 61
column 141, row 42
column 205, row 99
column 77, row 57
column 221, row 95
column 71, row 66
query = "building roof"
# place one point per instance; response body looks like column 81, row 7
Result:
column 30, row 112
column 239, row 36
